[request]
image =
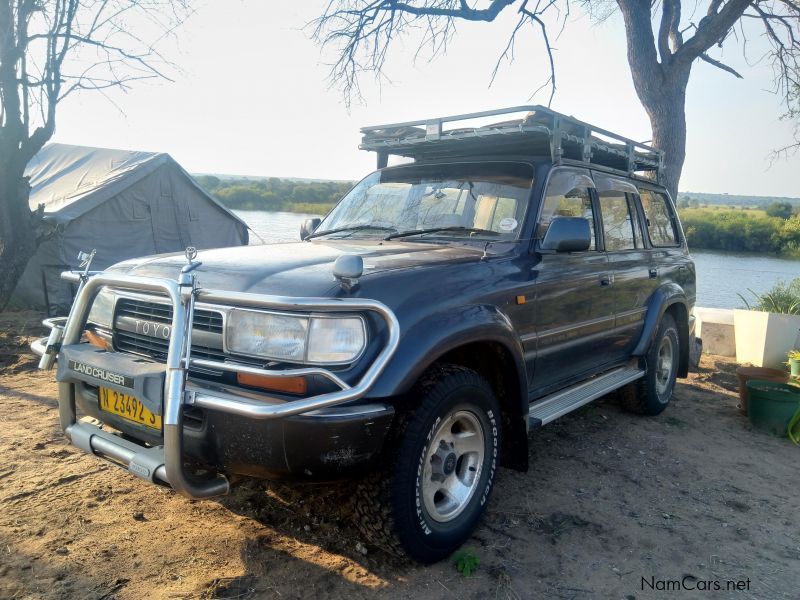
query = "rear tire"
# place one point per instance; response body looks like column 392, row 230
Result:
column 651, row 394
column 441, row 465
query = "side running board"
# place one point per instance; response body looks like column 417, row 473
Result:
column 564, row 401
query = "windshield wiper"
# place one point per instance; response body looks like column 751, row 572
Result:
column 403, row 234
column 350, row 228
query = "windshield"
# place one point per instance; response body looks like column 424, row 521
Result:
column 484, row 201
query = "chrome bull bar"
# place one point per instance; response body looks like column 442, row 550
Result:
column 182, row 294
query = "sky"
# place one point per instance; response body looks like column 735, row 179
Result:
column 251, row 96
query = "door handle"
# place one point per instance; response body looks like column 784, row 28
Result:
column 653, row 272
column 605, row 280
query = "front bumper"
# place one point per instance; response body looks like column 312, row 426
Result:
column 319, row 436
column 325, row 444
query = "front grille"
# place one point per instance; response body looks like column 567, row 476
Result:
column 157, row 349
column 204, row 320
column 129, row 330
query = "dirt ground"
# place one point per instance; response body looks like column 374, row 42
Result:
column 611, row 499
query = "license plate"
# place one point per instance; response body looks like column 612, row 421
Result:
column 129, row 408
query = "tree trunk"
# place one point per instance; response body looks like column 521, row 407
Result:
column 17, row 230
column 661, row 87
column 668, row 121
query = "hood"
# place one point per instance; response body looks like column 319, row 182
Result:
column 298, row 268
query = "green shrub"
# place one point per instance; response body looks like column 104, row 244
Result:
column 467, row 562
column 741, row 231
column 783, row 298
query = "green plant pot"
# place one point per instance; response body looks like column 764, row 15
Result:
column 772, row 405
column 794, row 367
column 746, row 374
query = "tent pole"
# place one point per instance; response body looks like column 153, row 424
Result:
column 46, row 295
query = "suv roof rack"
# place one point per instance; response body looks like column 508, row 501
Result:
column 541, row 131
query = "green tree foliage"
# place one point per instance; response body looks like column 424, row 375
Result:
column 741, row 231
column 782, row 210
column 790, row 235
column 207, row 182
column 275, row 194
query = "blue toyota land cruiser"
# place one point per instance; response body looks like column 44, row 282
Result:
column 446, row 308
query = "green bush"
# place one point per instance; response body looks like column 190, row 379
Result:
column 467, row 562
column 782, row 210
column 741, row 231
column 783, row 298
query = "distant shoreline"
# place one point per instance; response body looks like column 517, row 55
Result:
column 301, row 207
column 275, row 195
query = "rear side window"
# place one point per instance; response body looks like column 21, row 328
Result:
column 660, row 223
column 567, row 196
column 617, row 221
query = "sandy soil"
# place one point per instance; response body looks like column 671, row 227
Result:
column 610, row 499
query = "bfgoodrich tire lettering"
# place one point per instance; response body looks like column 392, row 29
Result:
column 406, row 507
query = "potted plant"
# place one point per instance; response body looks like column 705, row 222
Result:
column 769, row 327
column 794, row 363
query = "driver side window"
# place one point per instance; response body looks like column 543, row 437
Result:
column 567, row 195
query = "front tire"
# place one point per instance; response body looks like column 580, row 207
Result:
column 441, row 468
column 651, row 394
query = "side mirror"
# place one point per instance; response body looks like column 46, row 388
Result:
column 308, row 227
column 568, row 234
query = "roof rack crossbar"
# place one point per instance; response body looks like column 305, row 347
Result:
column 565, row 137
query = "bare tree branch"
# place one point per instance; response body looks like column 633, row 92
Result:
column 444, row 9
column 719, row 65
column 669, row 31
column 535, row 16
column 793, row 115
column 50, row 49
column 360, row 32
column 713, row 28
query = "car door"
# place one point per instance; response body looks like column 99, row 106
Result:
column 628, row 260
column 669, row 257
column 574, row 303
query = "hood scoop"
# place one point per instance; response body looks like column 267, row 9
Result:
column 347, row 269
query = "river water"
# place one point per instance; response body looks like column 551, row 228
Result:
column 720, row 275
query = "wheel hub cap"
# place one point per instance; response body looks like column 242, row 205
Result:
column 449, row 464
column 453, row 465
column 664, row 364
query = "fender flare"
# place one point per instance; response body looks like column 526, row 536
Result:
column 666, row 296
column 434, row 336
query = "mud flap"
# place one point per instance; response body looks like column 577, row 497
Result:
column 695, row 350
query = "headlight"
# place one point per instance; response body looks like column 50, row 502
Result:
column 317, row 340
column 266, row 335
column 333, row 340
column 102, row 311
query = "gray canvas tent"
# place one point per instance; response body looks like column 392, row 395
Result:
column 122, row 203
